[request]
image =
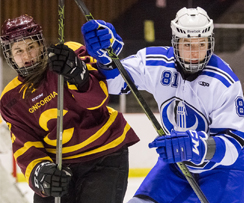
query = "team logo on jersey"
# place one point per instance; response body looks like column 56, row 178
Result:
column 205, row 84
column 181, row 116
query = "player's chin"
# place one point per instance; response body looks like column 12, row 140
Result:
column 31, row 64
column 194, row 62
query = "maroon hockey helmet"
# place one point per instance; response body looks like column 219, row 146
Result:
column 19, row 29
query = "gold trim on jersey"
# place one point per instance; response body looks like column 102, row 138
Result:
column 103, row 87
column 72, row 86
column 67, row 135
column 32, row 165
column 13, row 138
column 28, row 145
column 11, row 85
column 105, row 90
column 48, row 115
column 89, row 67
column 110, row 145
column 73, row 45
column 92, row 138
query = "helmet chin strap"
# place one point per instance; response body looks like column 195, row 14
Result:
column 193, row 68
column 186, row 75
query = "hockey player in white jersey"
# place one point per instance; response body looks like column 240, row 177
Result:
column 200, row 101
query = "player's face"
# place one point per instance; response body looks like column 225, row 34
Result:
column 26, row 53
column 193, row 50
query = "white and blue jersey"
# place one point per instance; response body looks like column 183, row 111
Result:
column 211, row 102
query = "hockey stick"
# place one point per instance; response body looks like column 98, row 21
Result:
column 145, row 106
column 60, row 94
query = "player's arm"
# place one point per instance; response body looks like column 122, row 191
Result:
column 30, row 154
column 41, row 173
column 228, row 124
column 222, row 146
column 98, row 36
column 84, row 82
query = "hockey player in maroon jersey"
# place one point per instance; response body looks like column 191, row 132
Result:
column 95, row 137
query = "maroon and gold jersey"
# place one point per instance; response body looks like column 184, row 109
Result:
column 91, row 129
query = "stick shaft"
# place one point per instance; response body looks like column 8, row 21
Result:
column 145, row 107
column 60, row 91
column 60, row 94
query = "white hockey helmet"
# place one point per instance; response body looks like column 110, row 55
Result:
column 192, row 23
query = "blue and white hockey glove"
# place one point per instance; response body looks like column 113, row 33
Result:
column 98, row 36
column 182, row 146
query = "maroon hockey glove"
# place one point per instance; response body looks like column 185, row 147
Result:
column 64, row 61
column 50, row 181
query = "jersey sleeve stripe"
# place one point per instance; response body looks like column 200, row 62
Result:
column 160, row 56
column 164, row 58
column 221, row 73
column 215, row 61
column 27, row 146
column 156, row 50
column 160, row 63
column 231, row 152
column 237, row 135
column 110, row 74
column 110, row 145
column 105, row 90
column 217, row 76
column 14, row 83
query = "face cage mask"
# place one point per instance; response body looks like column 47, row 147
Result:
column 192, row 67
column 41, row 58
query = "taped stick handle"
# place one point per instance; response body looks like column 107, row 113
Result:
column 145, row 107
